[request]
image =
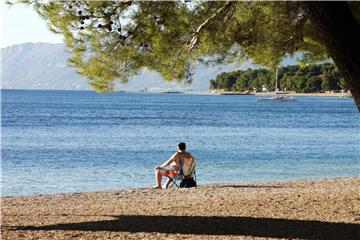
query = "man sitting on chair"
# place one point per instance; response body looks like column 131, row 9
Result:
column 174, row 163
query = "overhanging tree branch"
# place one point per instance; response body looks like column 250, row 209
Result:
column 221, row 11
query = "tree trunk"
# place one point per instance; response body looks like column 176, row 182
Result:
column 340, row 32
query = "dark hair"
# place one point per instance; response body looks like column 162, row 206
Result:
column 181, row 146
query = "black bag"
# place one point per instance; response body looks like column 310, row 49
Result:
column 187, row 183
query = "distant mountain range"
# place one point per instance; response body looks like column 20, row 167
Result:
column 38, row 66
column 44, row 66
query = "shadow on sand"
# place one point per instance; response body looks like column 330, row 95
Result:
column 200, row 225
column 249, row 186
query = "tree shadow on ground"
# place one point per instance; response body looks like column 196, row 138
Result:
column 214, row 225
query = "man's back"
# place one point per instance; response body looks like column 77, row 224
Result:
column 183, row 155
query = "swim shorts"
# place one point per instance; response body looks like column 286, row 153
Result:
column 170, row 173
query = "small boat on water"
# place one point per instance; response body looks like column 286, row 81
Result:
column 277, row 95
column 145, row 90
column 276, row 98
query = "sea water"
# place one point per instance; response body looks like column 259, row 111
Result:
column 76, row 141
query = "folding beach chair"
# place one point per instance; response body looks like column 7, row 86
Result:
column 186, row 175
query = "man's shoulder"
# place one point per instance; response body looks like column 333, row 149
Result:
column 186, row 154
column 175, row 155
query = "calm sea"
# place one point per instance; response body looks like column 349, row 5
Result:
column 67, row 141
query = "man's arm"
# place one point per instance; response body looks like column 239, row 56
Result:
column 168, row 162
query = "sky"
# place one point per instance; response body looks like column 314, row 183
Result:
column 20, row 23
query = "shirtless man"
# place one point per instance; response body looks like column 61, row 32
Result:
column 174, row 163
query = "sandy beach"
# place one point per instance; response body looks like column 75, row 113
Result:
column 303, row 209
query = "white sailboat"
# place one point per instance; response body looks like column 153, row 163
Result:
column 277, row 96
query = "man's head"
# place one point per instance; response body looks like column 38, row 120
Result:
column 181, row 146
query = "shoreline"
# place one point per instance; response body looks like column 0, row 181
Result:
column 311, row 209
column 289, row 94
column 279, row 181
column 218, row 92
column 200, row 92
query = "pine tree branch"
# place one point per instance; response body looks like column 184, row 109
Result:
column 221, row 11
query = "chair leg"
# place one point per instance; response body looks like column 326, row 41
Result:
column 173, row 182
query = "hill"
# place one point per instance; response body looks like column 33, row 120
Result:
column 44, row 66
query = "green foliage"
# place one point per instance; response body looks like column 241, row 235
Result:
column 314, row 78
column 114, row 40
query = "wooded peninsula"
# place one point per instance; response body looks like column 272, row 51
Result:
column 318, row 78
